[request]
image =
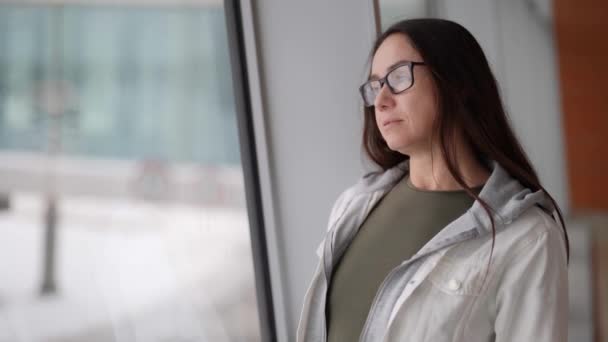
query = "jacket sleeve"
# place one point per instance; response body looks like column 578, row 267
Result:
column 532, row 296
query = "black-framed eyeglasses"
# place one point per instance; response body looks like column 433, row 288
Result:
column 399, row 79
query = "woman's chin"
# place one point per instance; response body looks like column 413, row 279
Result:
column 398, row 146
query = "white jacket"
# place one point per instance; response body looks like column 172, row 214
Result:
column 440, row 293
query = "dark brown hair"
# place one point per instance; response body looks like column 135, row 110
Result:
column 468, row 100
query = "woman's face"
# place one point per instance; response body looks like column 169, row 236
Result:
column 405, row 120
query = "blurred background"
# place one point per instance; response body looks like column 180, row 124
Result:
column 155, row 155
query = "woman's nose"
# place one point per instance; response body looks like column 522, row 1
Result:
column 384, row 99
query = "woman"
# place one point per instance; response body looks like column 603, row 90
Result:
column 454, row 239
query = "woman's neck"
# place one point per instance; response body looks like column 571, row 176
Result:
column 430, row 172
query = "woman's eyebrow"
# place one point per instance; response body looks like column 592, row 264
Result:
column 391, row 67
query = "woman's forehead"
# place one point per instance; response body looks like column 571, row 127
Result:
column 394, row 48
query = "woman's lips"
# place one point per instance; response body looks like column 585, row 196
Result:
column 392, row 121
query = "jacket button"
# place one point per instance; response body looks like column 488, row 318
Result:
column 453, row 284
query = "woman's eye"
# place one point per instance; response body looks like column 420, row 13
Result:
column 401, row 76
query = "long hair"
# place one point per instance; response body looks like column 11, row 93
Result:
column 468, row 100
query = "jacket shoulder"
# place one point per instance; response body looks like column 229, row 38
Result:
column 533, row 225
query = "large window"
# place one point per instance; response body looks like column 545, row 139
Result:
column 122, row 206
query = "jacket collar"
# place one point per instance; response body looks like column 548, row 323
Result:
column 504, row 194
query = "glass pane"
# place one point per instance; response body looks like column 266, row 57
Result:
column 122, row 207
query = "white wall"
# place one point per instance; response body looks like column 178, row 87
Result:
column 311, row 58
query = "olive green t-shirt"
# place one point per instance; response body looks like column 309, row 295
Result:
column 396, row 228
